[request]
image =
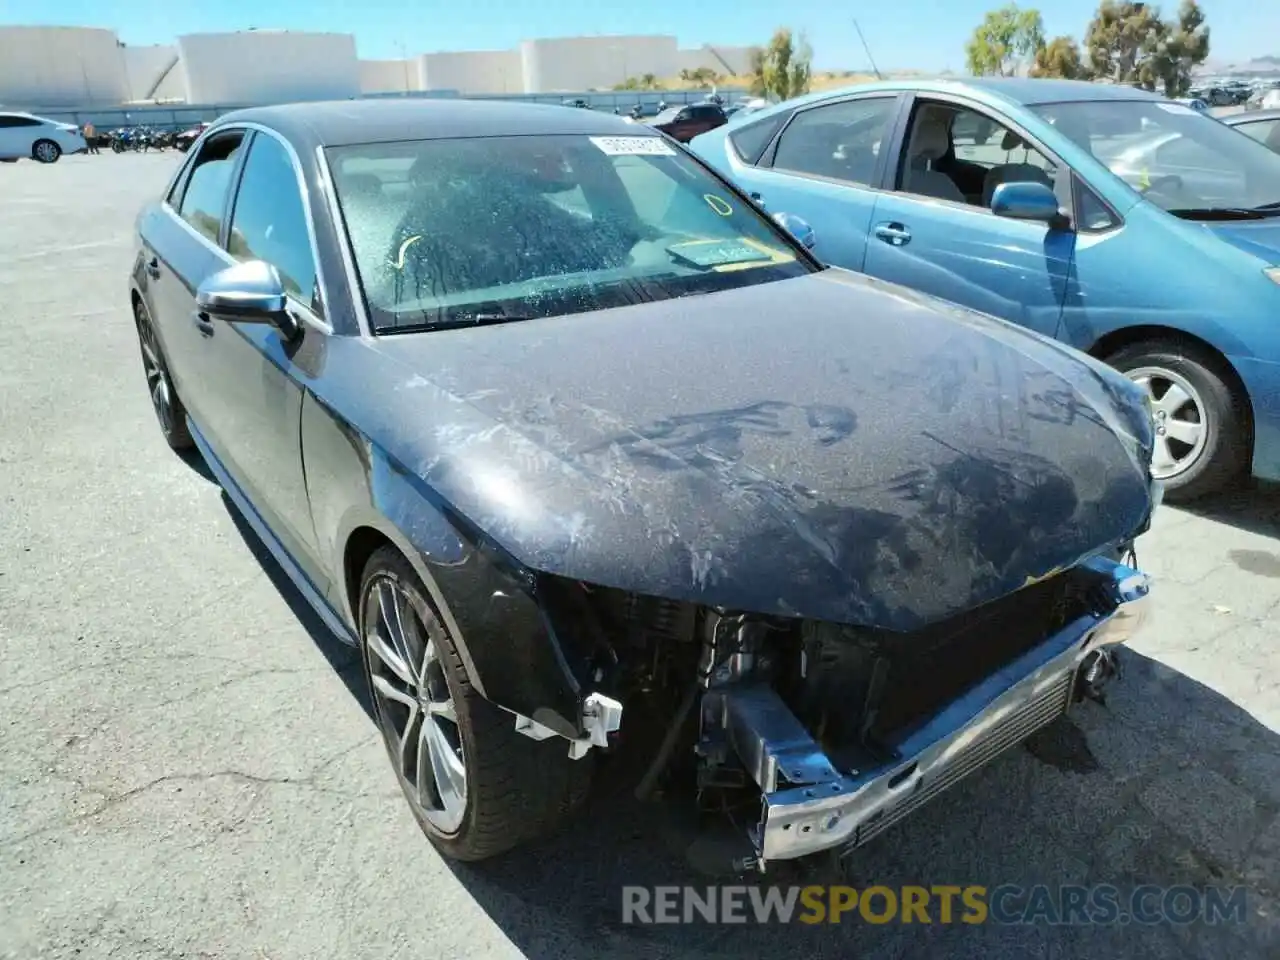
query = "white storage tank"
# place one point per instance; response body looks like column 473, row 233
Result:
column 269, row 66
column 153, row 72
column 473, row 71
column 573, row 64
column 388, row 76
column 725, row 61
column 60, row 66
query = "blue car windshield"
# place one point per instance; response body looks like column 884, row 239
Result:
column 482, row 230
column 1178, row 158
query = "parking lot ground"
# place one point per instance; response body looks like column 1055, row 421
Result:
column 187, row 769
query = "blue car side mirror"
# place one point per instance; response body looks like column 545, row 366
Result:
column 1026, row 200
column 797, row 227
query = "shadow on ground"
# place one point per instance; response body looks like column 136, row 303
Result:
column 1159, row 786
column 344, row 659
column 1253, row 507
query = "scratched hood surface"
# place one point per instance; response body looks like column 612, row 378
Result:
column 829, row 447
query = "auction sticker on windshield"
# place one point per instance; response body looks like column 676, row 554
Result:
column 634, row 146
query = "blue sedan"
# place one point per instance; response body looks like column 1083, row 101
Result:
column 1132, row 227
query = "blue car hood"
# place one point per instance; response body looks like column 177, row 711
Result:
column 1261, row 238
column 829, row 446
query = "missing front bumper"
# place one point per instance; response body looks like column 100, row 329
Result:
column 809, row 806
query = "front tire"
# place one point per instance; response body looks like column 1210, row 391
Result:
column 1202, row 421
column 476, row 786
column 45, row 151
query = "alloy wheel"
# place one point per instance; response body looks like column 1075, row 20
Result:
column 157, row 375
column 46, row 152
column 1179, row 413
column 415, row 707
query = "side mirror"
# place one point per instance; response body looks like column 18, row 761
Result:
column 249, row 292
column 1026, row 200
column 797, row 227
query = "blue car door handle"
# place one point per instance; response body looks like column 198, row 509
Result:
column 757, row 198
column 153, row 268
column 894, row 234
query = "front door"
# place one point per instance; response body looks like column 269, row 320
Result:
column 256, row 377
column 822, row 170
column 935, row 231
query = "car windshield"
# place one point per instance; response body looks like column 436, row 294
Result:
column 481, row 230
column 1181, row 160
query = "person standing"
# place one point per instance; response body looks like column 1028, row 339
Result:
column 91, row 136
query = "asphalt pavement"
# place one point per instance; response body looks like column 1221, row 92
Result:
column 187, row 769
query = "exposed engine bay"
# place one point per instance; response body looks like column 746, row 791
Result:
column 835, row 731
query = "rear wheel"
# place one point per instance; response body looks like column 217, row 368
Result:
column 1201, row 421
column 170, row 413
column 475, row 785
column 45, row 151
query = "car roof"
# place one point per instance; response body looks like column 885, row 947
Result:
column 1249, row 116
column 995, row 91
column 339, row 122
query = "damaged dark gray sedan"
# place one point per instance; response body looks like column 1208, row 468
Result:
column 577, row 445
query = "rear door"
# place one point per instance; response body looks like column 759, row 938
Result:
column 181, row 248
column 823, row 167
column 953, row 246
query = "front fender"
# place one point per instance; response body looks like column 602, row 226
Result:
column 512, row 654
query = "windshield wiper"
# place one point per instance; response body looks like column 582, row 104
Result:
column 479, row 319
column 1221, row 213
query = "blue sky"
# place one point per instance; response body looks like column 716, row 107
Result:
column 923, row 34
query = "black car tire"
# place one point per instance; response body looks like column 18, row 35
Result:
column 518, row 788
column 175, row 432
column 51, row 154
column 1225, row 454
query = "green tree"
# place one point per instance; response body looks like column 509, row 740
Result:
column 1128, row 42
column 1060, row 57
column 1185, row 46
column 783, row 68
column 1005, row 42
column 1121, row 39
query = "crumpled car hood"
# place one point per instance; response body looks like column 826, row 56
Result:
column 829, row 447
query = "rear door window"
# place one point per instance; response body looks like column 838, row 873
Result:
column 751, row 139
column 837, row 141
column 204, row 198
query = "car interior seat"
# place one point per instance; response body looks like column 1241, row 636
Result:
column 1012, row 172
column 930, row 141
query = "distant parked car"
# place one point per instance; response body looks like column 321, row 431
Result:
column 578, row 102
column 1134, row 228
column 186, row 138
column 1262, row 125
column 683, row 123
column 24, row 135
column 1195, row 103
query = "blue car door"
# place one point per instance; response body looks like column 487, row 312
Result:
column 821, row 168
column 934, row 230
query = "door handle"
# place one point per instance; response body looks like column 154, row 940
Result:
column 894, row 234
column 203, row 322
column 153, row 268
column 757, row 198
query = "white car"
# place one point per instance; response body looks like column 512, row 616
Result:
column 24, row 135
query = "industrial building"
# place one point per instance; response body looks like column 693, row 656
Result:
column 58, row 67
